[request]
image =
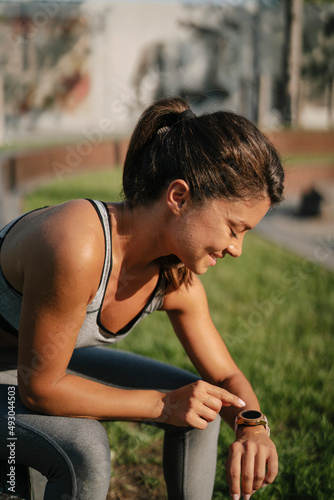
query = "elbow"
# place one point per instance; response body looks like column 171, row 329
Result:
column 231, row 377
column 34, row 399
column 32, row 402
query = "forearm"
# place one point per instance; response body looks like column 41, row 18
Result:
column 238, row 384
column 74, row 396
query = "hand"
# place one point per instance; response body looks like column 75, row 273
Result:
column 253, row 456
column 196, row 404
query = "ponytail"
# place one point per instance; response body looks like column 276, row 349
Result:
column 140, row 182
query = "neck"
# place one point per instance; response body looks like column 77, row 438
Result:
column 138, row 235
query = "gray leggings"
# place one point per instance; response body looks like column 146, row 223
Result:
column 74, row 454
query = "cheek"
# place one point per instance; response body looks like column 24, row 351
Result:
column 184, row 241
column 191, row 244
column 200, row 234
column 217, row 235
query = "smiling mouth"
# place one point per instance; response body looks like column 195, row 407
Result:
column 217, row 256
column 214, row 257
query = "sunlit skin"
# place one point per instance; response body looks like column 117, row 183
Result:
column 204, row 233
column 57, row 289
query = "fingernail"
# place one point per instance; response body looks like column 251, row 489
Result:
column 246, row 497
column 242, row 404
column 235, row 496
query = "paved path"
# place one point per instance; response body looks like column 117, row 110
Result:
column 310, row 237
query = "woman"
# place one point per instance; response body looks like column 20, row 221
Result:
column 83, row 273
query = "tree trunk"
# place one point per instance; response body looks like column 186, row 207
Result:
column 295, row 59
column 330, row 103
column 287, row 87
column 281, row 96
column 2, row 111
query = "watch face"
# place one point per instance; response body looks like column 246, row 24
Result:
column 251, row 414
column 251, row 418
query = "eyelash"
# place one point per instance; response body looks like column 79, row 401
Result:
column 233, row 234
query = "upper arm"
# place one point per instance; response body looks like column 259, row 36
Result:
column 61, row 272
column 189, row 314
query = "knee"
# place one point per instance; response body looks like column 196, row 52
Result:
column 214, row 426
column 212, row 429
column 92, row 450
column 210, row 433
column 209, row 436
column 90, row 457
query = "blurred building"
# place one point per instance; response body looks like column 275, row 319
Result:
column 79, row 68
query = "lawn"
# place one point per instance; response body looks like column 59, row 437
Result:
column 275, row 313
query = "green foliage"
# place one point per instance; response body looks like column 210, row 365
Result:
column 275, row 313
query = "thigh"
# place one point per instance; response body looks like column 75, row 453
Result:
column 72, row 453
column 124, row 369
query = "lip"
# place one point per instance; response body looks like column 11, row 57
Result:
column 213, row 258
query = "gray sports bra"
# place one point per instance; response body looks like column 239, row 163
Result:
column 92, row 332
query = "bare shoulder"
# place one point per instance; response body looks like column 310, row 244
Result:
column 191, row 298
column 64, row 241
column 71, row 230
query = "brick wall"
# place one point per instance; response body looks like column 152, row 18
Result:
column 301, row 142
column 21, row 170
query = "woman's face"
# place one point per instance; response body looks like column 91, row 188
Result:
column 205, row 233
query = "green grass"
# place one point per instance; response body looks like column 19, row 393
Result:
column 275, row 312
column 300, row 160
column 104, row 185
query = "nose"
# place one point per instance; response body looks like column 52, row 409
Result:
column 235, row 250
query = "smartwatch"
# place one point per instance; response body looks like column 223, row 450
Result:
column 251, row 418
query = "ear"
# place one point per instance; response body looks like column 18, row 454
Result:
column 178, row 193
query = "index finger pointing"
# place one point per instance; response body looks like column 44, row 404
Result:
column 229, row 399
column 226, row 398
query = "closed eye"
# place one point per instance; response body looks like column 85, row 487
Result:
column 234, row 234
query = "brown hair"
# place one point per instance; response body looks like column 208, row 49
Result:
column 219, row 155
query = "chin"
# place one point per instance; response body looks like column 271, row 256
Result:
column 198, row 270
column 201, row 271
column 197, row 267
